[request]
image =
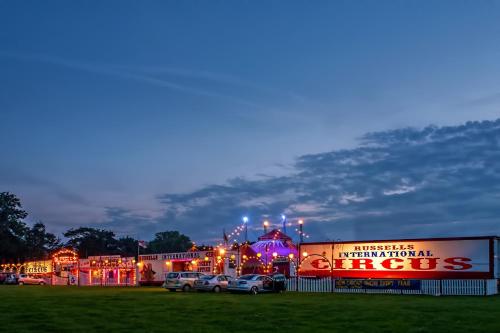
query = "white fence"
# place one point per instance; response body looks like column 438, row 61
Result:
column 427, row 287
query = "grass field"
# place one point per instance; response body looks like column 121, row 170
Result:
column 94, row 309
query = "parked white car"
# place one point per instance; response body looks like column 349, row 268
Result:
column 26, row 279
column 215, row 283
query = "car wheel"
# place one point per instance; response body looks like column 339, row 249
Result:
column 216, row 289
column 42, row 283
column 21, row 283
column 186, row 288
column 254, row 290
column 171, row 289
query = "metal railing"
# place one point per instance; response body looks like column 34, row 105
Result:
column 427, row 287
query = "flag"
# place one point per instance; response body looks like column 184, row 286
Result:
column 143, row 244
column 226, row 239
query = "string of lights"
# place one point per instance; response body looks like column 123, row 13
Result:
column 303, row 233
column 240, row 229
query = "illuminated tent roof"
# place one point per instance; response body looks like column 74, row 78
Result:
column 275, row 234
column 247, row 250
column 275, row 241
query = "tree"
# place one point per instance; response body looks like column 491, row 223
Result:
column 92, row 241
column 127, row 246
column 12, row 228
column 169, row 241
column 39, row 242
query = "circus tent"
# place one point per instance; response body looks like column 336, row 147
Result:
column 277, row 242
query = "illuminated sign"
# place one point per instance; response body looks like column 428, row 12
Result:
column 154, row 267
column 177, row 255
column 38, row 267
column 448, row 258
column 65, row 255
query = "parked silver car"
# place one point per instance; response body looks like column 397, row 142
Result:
column 256, row 283
column 181, row 280
column 215, row 283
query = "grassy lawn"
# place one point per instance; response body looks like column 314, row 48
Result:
column 94, row 309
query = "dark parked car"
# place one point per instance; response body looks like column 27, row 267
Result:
column 10, row 279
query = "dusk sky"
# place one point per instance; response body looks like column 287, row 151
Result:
column 368, row 119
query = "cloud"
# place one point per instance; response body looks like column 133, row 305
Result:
column 485, row 100
column 128, row 73
column 348, row 198
column 436, row 181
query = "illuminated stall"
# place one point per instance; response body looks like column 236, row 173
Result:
column 65, row 267
column 42, row 269
column 251, row 261
column 11, row 268
column 226, row 261
column 111, row 270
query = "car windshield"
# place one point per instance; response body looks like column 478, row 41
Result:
column 172, row 275
column 207, row 277
column 247, row 277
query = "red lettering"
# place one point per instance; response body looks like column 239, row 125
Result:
column 320, row 264
column 356, row 263
column 387, row 263
column 417, row 263
column 457, row 261
column 338, row 264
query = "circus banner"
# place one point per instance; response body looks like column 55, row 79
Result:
column 400, row 259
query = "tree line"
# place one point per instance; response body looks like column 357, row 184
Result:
column 20, row 242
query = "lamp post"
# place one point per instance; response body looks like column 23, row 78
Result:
column 245, row 222
column 301, row 230
column 265, row 224
column 222, row 258
column 301, row 223
column 259, row 255
column 238, row 262
column 295, row 266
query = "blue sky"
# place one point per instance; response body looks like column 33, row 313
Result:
column 110, row 111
